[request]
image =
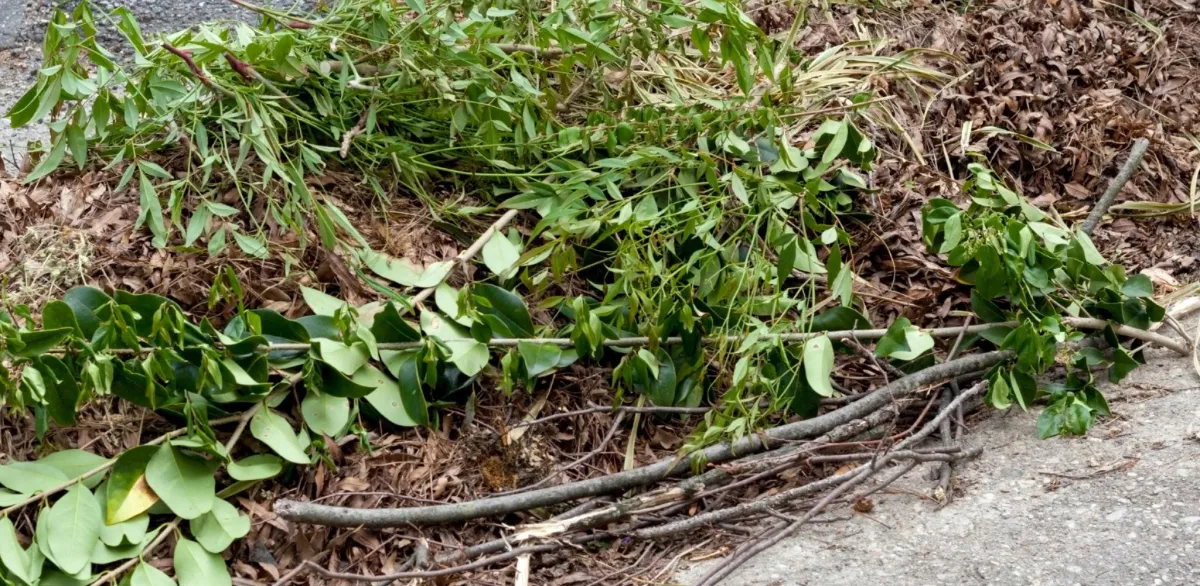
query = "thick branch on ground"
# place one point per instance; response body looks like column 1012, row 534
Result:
column 1114, row 187
column 302, row 512
column 856, row 477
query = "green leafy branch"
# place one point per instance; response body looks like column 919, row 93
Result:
column 1024, row 264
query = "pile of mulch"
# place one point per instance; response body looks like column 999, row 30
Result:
column 1079, row 81
column 1084, row 78
column 74, row 229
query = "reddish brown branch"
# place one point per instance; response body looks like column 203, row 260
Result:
column 186, row 56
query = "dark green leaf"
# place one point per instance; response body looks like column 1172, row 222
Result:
column 390, row 328
column 1122, row 365
column 41, row 341
column 1138, row 286
column 58, row 315
column 839, row 319
column 539, row 358
column 503, row 311
column 84, row 302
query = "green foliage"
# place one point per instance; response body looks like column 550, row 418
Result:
column 686, row 208
column 1028, row 267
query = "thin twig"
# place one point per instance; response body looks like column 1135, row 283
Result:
column 358, row 129
column 599, row 449
column 791, row 338
column 186, row 56
column 884, row 367
column 930, row 455
column 614, row 409
column 465, row 256
column 300, row 569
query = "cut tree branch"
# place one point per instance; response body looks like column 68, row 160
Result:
column 304, row 512
column 1114, row 187
column 857, row 477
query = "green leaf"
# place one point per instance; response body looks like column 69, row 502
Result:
column 183, row 482
column 252, row 246
column 985, row 309
column 503, row 311
column 128, row 495
column 332, row 382
column 347, row 359
column 837, row 143
column 916, row 342
column 838, row 319
column 75, row 463
column 787, row 261
column 42, row 341
column 1123, row 364
column 151, row 213
column 84, row 302
column 12, row 555
column 147, row 575
column 818, row 365
column 539, row 358
column 127, row 532
column 434, row 274
column 650, row 361
column 58, row 315
column 389, row 327
column 953, row 233
column 9, row 498
column 400, row 271
column 895, row 339
column 50, row 162
column 62, row 390
column 324, row 414
column 272, row 429
column 195, row 566
column 500, row 254
column 1138, row 286
column 31, row 477
column 662, row 387
column 218, row 528
column 470, row 356
column 257, row 467
column 999, row 393
column 77, row 143
column 321, row 303
column 402, row 401
column 1090, row 254
column 73, row 528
